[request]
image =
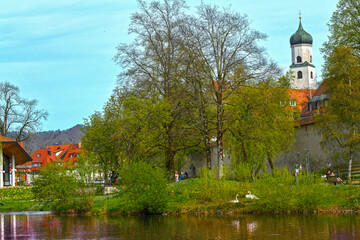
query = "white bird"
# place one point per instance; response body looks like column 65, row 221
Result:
column 251, row 196
column 236, row 200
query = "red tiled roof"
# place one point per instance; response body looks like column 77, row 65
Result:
column 306, row 116
column 54, row 153
column 301, row 96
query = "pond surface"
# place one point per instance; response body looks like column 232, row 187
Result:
column 48, row 226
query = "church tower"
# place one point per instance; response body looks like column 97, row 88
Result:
column 302, row 67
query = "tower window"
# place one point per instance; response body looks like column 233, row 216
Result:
column 310, row 59
column 311, row 75
column 298, row 59
column 299, row 74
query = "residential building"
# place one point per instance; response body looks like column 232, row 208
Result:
column 49, row 154
column 12, row 153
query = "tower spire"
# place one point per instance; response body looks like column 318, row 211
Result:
column 300, row 15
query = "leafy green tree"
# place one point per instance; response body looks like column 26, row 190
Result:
column 261, row 124
column 228, row 48
column 344, row 27
column 145, row 187
column 139, row 121
column 339, row 124
column 152, row 63
column 200, row 108
column 99, row 143
column 285, row 81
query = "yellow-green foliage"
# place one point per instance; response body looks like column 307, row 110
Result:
column 209, row 188
column 144, row 186
column 16, row 193
column 280, row 193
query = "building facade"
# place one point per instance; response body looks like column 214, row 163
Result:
column 12, row 153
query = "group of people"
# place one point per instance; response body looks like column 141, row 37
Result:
column 182, row 176
column 330, row 176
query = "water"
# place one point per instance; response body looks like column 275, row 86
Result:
column 47, row 226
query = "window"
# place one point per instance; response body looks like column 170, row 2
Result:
column 299, row 74
column 71, row 155
column 38, row 155
column 310, row 107
column 311, row 75
column 293, row 103
column 310, row 59
column 298, row 59
column 317, row 104
column 36, row 164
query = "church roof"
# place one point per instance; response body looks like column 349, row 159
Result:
column 301, row 36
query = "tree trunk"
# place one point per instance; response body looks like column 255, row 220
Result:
column 208, row 155
column 219, row 140
column 271, row 163
column 349, row 169
column 170, row 161
column 244, row 151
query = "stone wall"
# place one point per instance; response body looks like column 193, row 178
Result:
column 198, row 160
column 306, row 137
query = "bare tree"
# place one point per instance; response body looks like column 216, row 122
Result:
column 18, row 114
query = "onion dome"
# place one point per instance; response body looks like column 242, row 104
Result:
column 301, row 36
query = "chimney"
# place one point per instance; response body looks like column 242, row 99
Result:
column 310, row 93
column 80, row 143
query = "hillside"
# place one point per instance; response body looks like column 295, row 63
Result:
column 43, row 139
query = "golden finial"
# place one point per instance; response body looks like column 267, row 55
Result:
column 300, row 15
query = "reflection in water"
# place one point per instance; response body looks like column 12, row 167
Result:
column 45, row 226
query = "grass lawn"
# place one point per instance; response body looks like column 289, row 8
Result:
column 209, row 195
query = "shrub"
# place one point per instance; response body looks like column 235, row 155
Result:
column 242, row 171
column 57, row 186
column 211, row 188
column 145, row 187
column 279, row 193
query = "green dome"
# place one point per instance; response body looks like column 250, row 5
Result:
column 301, row 36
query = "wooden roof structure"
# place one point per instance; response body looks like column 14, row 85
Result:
column 11, row 147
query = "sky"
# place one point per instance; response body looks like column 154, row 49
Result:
column 61, row 52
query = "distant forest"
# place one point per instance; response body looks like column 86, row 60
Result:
column 42, row 139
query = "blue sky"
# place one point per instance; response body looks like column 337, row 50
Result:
column 60, row 52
